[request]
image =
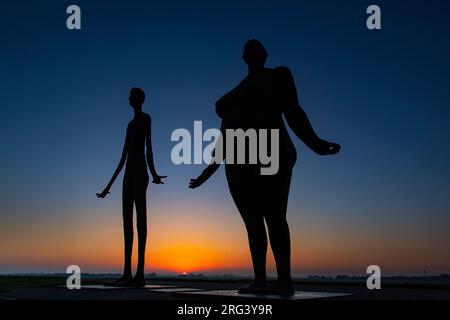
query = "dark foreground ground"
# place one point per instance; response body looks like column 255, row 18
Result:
column 52, row 288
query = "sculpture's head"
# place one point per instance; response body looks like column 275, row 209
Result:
column 137, row 97
column 255, row 55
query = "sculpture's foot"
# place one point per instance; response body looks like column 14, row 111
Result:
column 254, row 288
column 122, row 282
column 137, row 282
column 281, row 288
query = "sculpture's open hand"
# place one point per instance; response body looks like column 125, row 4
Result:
column 325, row 148
column 103, row 193
column 158, row 179
column 195, row 183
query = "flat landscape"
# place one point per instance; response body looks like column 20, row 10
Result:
column 53, row 288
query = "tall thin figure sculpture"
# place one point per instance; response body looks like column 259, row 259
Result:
column 259, row 102
column 135, row 182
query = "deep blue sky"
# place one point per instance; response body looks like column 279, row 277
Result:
column 384, row 95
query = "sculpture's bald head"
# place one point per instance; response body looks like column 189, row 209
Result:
column 255, row 55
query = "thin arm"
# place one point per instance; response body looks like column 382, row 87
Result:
column 122, row 161
column 215, row 162
column 295, row 115
column 150, row 162
column 209, row 171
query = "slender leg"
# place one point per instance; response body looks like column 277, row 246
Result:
column 127, row 211
column 141, row 218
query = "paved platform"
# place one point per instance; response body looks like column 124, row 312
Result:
column 177, row 290
column 47, row 288
column 108, row 287
column 299, row 295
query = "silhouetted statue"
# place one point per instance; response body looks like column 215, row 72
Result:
column 135, row 182
column 258, row 102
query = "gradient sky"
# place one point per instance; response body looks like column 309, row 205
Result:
column 383, row 95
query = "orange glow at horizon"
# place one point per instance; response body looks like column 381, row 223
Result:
column 196, row 242
column 176, row 243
